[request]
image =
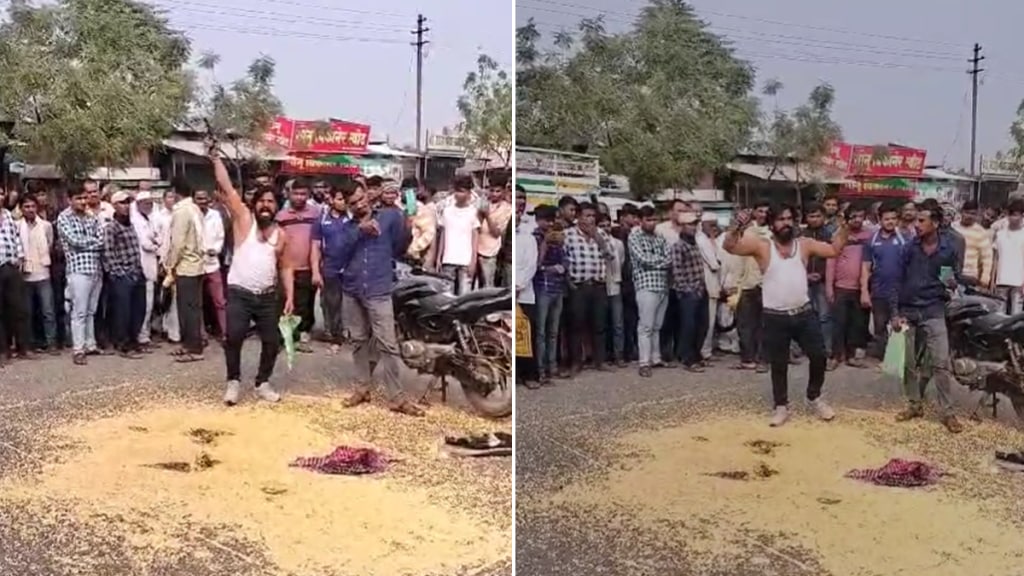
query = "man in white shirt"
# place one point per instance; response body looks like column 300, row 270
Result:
column 459, row 236
column 525, row 268
column 166, row 320
column 143, row 220
column 613, row 279
column 1009, row 249
column 712, row 270
column 213, row 244
column 37, row 241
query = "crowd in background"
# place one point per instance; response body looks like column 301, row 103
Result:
column 656, row 288
column 99, row 270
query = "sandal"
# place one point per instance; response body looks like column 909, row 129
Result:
column 356, row 399
column 79, row 359
column 745, row 366
column 408, row 408
column 187, row 358
column 178, row 352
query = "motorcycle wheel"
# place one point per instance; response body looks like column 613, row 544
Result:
column 497, row 404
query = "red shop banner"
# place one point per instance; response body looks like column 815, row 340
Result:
column 302, row 137
column 857, row 160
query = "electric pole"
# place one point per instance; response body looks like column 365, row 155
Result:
column 420, row 30
column 974, row 71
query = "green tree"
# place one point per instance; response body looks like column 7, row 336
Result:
column 486, row 108
column 663, row 103
column 801, row 137
column 88, row 83
column 240, row 113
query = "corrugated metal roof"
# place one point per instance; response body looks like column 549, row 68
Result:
column 940, row 174
column 784, row 173
column 242, row 152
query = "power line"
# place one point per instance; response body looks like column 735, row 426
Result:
column 805, row 42
column 783, row 23
column 272, row 33
column 330, row 8
column 201, row 8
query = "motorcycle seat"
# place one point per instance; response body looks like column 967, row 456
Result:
column 445, row 303
column 998, row 323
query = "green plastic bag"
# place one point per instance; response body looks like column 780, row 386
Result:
column 895, row 354
column 287, row 325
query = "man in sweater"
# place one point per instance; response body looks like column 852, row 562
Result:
column 978, row 252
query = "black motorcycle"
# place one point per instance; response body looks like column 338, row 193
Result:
column 985, row 345
column 467, row 337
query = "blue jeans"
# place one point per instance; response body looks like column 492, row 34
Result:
column 819, row 302
column 40, row 297
column 545, row 346
column 84, row 296
column 693, row 326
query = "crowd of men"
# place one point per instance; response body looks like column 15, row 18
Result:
column 103, row 270
column 827, row 281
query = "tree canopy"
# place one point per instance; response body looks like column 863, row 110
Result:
column 663, row 103
column 800, row 137
column 242, row 111
column 88, row 83
column 486, row 108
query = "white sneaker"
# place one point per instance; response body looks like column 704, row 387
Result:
column 267, row 393
column 822, row 409
column 779, row 417
column 232, row 393
column 304, row 337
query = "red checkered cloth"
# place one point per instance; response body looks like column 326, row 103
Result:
column 899, row 473
column 345, row 460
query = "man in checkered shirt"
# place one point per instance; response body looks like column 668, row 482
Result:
column 81, row 234
column 13, row 317
column 651, row 261
column 588, row 250
column 122, row 263
column 690, row 292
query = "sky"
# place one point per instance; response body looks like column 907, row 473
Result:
column 353, row 60
column 898, row 66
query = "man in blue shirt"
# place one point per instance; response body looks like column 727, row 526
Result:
column 367, row 246
column 881, row 273
column 327, row 232
column 930, row 268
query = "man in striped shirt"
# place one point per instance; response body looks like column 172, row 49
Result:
column 978, row 252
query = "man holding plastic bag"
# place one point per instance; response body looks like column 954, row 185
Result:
column 930, row 268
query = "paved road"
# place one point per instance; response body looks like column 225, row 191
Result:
column 563, row 437
column 37, row 396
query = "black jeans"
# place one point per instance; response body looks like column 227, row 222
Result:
column 848, row 321
column 693, row 325
column 330, row 298
column 304, row 301
column 630, row 318
column 671, row 347
column 526, row 368
column 101, row 321
column 804, row 329
column 749, row 325
column 589, row 304
column 126, row 311
column 881, row 313
column 245, row 308
column 189, row 294
column 14, row 317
